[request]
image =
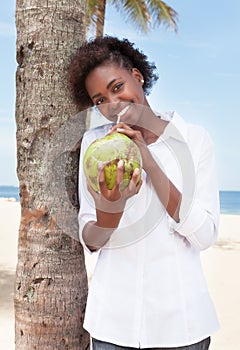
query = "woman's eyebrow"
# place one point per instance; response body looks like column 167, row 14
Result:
column 111, row 82
column 108, row 86
column 96, row 95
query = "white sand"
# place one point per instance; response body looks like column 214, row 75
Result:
column 9, row 222
column 221, row 264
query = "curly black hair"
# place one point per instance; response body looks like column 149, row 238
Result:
column 99, row 50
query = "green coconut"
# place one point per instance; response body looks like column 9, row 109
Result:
column 108, row 151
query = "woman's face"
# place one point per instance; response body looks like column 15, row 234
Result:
column 116, row 91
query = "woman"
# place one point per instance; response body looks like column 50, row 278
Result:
column 148, row 289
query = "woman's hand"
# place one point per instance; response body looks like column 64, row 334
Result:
column 137, row 137
column 110, row 206
column 113, row 201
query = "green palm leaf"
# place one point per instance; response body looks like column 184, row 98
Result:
column 161, row 13
column 136, row 11
column 145, row 15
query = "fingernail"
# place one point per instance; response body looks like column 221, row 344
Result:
column 120, row 163
column 136, row 171
column 100, row 165
column 120, row 129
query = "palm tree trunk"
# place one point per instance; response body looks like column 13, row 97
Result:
column 100, row 17
column 51, row 281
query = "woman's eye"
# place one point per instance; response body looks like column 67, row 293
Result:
column 98, row 102
column 117, row 87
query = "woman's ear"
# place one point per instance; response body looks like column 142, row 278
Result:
column 138, row 75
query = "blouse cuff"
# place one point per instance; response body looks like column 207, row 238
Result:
column 82, row 222
column 197, row 227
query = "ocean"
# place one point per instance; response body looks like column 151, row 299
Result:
column 229, row 200
column 9, row 192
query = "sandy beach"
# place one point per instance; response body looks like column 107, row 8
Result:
column 220, row 263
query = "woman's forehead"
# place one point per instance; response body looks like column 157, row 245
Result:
column 107, row 71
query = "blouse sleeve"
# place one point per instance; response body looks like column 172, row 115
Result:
column 87, row 210
column 199, row 225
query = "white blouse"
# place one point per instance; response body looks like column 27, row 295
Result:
column 148, row 288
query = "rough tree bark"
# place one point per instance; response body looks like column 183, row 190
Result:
column 51, row 281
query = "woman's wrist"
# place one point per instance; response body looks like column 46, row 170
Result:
column 108, row 219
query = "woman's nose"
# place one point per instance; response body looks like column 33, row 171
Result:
column 110, row 109
column 113, row 98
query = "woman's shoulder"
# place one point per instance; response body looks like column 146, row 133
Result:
column 192, row 129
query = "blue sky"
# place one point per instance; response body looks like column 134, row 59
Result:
column 198, row 68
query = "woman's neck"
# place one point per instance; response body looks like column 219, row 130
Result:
column 151, row 127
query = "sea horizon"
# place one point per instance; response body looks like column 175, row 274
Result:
column 229, row 199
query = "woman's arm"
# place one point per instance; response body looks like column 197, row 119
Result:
column 167, row 192
column 109, row 207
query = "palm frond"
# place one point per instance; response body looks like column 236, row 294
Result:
column 145, row 15
column 148, row 14
column 136, row 11
column 91, row 10
column 95, row 15
column 161, row 13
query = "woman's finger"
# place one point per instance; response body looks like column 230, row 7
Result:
column 120, row 172
column 133, row 186
column 139, row 185
column 101, row 178
column 120, row 125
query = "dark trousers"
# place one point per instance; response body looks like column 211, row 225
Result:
column 100, row 345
